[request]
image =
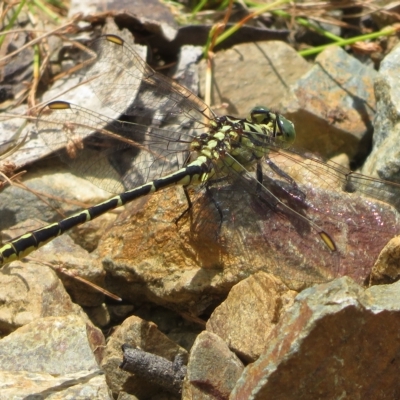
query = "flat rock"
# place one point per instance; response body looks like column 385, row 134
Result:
column 250, row 312
column 191, row 266
column 337, row 338
column 56, row 346
column 22, row 384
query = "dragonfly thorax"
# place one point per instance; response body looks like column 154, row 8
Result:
column 224, row 135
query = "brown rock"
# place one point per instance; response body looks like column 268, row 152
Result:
column 30, row 291
column 250, row 312
column 191, row 266
column 387, row 266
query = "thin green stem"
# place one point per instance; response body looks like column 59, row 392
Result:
column 308, row 24
column 12, row 20
column 345, row 42
column 198, row 8
column 36, row 61
column 237, row 26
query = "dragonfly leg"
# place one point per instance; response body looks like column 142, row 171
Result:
column 215, row 202
column 280, row 172
column 291, row 187
column 188, row 208
column 190, row 205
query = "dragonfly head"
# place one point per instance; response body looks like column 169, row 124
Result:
column 283, row 129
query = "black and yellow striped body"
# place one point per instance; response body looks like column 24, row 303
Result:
column 193, row 174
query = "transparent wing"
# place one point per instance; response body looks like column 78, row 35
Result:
column 153, row 142
column 275, row 225
column 118, row 70
column 330, row 175
column 107, row 151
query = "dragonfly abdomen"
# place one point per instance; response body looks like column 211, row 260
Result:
column 194, row 174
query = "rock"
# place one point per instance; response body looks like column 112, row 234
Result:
column 99, row 315
column 212, row 369
column 53, row 354
column 191, row 266
column 386, row 268
column 331, row 106
column 337, row 338
column 22, row 384
column 383, row 162
column 181, row 329
column 265, row 71
column 152, row 17
column 136, row 333
column 30, row 292
column 147, row 255
column 252, row 309
column 19, row 68
column 56, row 345
column 119, row 312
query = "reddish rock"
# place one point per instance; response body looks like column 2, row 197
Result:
column 337, row 340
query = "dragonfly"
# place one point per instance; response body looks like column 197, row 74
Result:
column 293, row 214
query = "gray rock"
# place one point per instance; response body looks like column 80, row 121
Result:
column 384, row 160
column 18, row 385
column 53, row 345
column 29, row 292
column 212, row 369
column 253, row 74
column 48, row 194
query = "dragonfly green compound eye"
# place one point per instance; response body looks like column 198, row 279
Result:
column 286, row 127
